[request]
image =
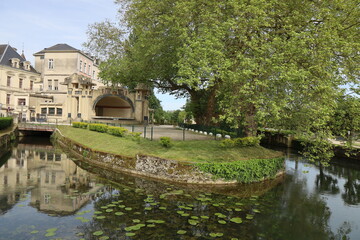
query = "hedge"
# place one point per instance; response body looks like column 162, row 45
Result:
column 98, row 127
column 5, row 122
column 80, row 125
column 117, row 131
column 246, row 171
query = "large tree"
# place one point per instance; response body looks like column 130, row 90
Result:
column 275, row 63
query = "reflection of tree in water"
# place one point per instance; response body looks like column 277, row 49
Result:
column 326, row 183
column 294, row 214
column 351, row 173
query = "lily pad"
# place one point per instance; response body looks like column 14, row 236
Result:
column 119, row 213
column 193, row 222
column 130, row 234
column 216, row 234
column 98, row 233
column 35, row 231
column 222, row 222
column 236, row 220
column 50, row 234
column 181, row 232
column 128, row 208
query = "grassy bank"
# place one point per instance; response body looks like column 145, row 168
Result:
column 189, row 151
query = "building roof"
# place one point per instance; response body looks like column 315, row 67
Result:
column 7, row 53
column 61, row 47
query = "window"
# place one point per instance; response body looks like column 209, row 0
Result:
column 51, row 63
column 56, row 84
column 43, row 110
column 49, row 84
column 7, row 98
column 58, row 111
column 84, row 67
column 31, row 85
column 21, row 101
column 89, row 69
column 8, row 83
column 21, row 82
column 51, row 111
column 80, row 65
column 93, row 74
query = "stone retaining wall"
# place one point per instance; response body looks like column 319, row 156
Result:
column 141, row 165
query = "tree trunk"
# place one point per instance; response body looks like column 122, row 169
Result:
column 250, row 127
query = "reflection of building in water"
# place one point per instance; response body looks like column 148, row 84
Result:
column 51, row 176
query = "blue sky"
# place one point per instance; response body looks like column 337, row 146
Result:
column 38, row 24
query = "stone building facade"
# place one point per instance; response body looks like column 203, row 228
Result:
column 64, row 86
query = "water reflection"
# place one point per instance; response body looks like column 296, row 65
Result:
column 41, row 188
column 48, row 176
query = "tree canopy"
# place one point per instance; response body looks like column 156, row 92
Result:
column 273, row 63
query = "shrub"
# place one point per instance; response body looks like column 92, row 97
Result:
column 5, row 122
column 227, row 143
column 253, row 170
column 80, row 125
column 135, row 136
column 117, row 131
column 98, row 127
column 165, row 142
column 247, row 141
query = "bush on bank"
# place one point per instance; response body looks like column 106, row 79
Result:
column 240, row 142
column 103, row 128
column 253, row 170
column 5, row 122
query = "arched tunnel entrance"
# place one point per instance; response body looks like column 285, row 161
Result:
column 114, row 106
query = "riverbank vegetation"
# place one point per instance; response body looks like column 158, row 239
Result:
column 187, row 151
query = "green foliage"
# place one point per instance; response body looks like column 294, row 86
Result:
column 317, row 148
column 227, row 143
column 135, row 136
column 346, row 119
column 166, row 142
column 5, row 122
column 80, row 125
column 247, row 141
column 117, row 131
column 97, row 127
column 253, row 170
column 240, row 142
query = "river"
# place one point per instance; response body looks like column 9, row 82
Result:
column 45, row 194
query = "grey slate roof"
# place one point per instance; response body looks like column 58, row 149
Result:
column 58, row 47
column 7, row 52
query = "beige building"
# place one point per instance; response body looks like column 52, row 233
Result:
column 64, row 86
column 17, row 83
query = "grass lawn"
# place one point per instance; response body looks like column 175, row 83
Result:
column 192, row 151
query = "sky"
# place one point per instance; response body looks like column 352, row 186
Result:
column 32, row 25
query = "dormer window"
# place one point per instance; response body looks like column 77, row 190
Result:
column 15, row 62
column 27, row 65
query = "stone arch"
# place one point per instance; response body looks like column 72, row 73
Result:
column 111, row 105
